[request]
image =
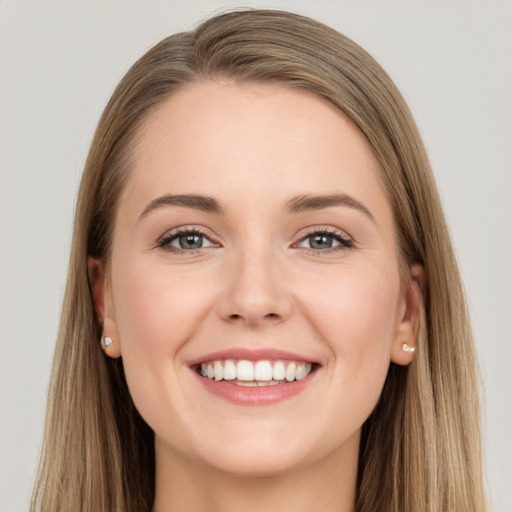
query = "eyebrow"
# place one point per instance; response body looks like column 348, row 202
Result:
column 299, row 204
column 308, row 202
column 194, row 201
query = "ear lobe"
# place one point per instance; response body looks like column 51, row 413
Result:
column 402, row 350
column 103, row 307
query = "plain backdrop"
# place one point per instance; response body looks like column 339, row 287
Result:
column 59, row 63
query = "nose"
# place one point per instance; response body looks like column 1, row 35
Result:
column 256, row 292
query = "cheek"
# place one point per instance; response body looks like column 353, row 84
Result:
column 155, row 309
column 157, row 312
column 357, row 307
column 357, row 318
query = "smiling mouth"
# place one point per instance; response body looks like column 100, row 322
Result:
column 247, row 373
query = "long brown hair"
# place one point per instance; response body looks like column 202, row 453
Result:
column 420, row 448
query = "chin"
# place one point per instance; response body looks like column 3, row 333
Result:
column 255, row 463
column 261, row 453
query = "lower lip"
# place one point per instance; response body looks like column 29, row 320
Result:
column 255, row 395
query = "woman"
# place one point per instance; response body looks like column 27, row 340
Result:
column 260, row 247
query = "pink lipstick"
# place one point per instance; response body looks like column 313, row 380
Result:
column 254, row 377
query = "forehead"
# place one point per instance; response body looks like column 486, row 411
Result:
column 252, row 141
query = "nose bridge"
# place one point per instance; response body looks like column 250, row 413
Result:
column 256, row 291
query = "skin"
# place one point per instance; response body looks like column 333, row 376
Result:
column 256, row 283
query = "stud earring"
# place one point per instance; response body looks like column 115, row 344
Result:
column 406, row 348
column 106, row 342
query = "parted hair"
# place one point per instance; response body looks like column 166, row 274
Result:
column 420, row 448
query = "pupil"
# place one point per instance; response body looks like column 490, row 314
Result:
column 191, row 241
column 320, row 241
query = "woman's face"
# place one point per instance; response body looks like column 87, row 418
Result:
column 254, row 291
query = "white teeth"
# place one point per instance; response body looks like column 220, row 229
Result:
column 290, row 372
column 263, row 370
column 279, row 371
column 244, row 370
column 259, row 373
column 303, row 370
column 218, row 370
column 229, row 370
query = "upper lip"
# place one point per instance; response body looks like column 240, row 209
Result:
column 248, row 354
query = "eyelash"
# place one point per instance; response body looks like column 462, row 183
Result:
column 166, row 240
column 345, row 242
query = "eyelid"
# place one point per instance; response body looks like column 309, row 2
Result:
column 174, row 233
column 321, row 229
column 346, row 242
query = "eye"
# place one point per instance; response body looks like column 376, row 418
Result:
column 185, row 240
column 326, row 241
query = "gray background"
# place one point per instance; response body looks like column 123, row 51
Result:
column 59, row 62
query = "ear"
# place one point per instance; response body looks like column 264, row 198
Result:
column 103, row 305
column 408, row 317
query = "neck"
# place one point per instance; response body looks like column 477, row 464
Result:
column 328, row 484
